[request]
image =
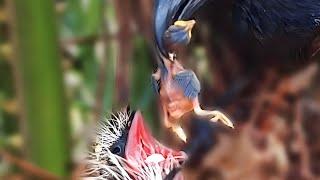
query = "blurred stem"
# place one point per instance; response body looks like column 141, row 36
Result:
column 106, row 69
column 43, row 98
column 142, row 95
column 101, row 85
column 123, row 15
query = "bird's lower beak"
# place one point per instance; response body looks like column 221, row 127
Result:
column 141, row 147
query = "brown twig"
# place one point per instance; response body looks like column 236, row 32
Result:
column 260, row 99
column 301, row 141
column 143, row 18
column 27, row 167
column 123, row 14
column 102, row 76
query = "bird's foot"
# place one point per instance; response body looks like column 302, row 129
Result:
column 223, row 118
column 217, row 116
column 176, row 128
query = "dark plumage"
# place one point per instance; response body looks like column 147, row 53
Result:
column 284, row 30
column 169, row 11
column 178, row 36
column 296, row 19
column 292, row 20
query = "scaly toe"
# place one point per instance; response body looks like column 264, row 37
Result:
column 224, row 119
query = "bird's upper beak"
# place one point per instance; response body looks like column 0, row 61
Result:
column 187, row 25
column 141, row 147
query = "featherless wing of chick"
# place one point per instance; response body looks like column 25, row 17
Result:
column 189, row 83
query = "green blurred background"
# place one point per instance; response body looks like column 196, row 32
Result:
column 64, row 64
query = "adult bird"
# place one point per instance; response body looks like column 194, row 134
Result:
column 178, row 88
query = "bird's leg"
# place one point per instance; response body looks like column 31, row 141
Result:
column 166, row 121
column 217, row 115
column 176, row 128
column 179, row 131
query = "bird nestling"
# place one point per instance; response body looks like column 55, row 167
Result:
column 177, row 87
column 124, row 149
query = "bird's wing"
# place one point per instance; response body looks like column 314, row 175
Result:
column 169, row 11
column 189, row 82
column 165, row 11
column 267, row 18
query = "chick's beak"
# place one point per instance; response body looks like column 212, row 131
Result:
column 142, row 147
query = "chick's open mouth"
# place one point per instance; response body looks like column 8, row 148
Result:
column 143, row 151
column 125, row 149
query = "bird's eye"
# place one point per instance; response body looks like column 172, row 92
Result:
column 117, row 150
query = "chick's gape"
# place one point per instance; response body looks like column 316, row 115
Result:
column 178, row 91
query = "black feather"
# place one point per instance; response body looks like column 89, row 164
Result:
column 165, row 11
column 294, row 19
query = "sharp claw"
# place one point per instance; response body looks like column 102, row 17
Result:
column 227, row 122
column 224, row 121
column 179, row 131
column 223, row 118
column 217, row 116
column 215, row 119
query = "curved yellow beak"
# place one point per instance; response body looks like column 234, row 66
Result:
column 187, row 25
